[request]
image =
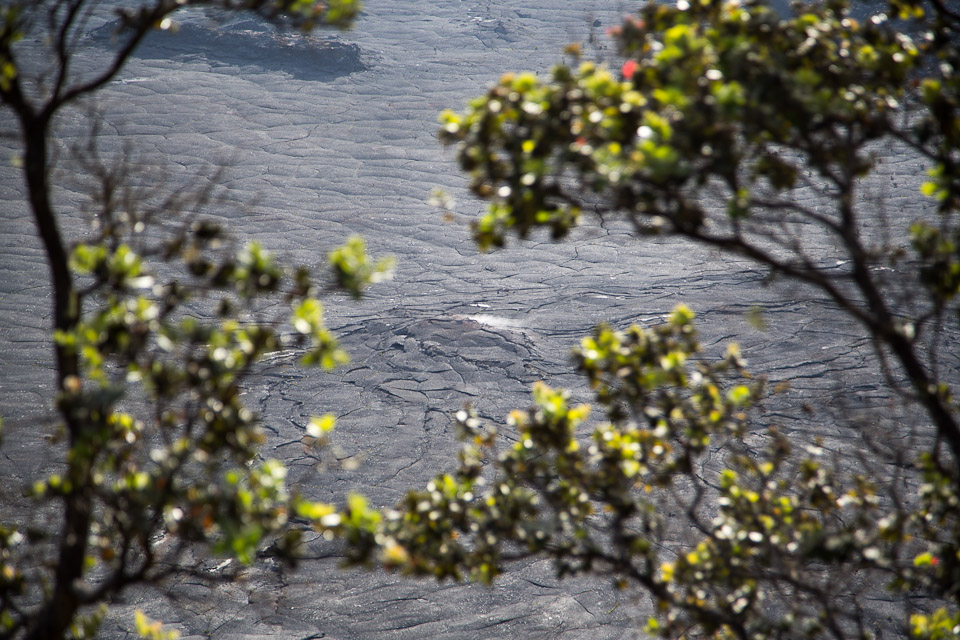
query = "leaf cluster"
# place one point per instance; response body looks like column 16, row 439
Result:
column 160, row 318
column 723, row 114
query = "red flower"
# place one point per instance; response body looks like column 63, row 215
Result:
column 629, row 67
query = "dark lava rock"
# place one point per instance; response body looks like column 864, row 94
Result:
column 242, row 40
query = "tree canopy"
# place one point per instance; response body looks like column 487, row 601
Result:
column 682, row 486
column 158, row 319
column 721, row 113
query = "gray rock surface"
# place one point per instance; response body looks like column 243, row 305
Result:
column 329, row 135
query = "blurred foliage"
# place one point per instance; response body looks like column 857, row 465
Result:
column 721, row 112
column 152, row 629
column 785, row 540
column 160, row 319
